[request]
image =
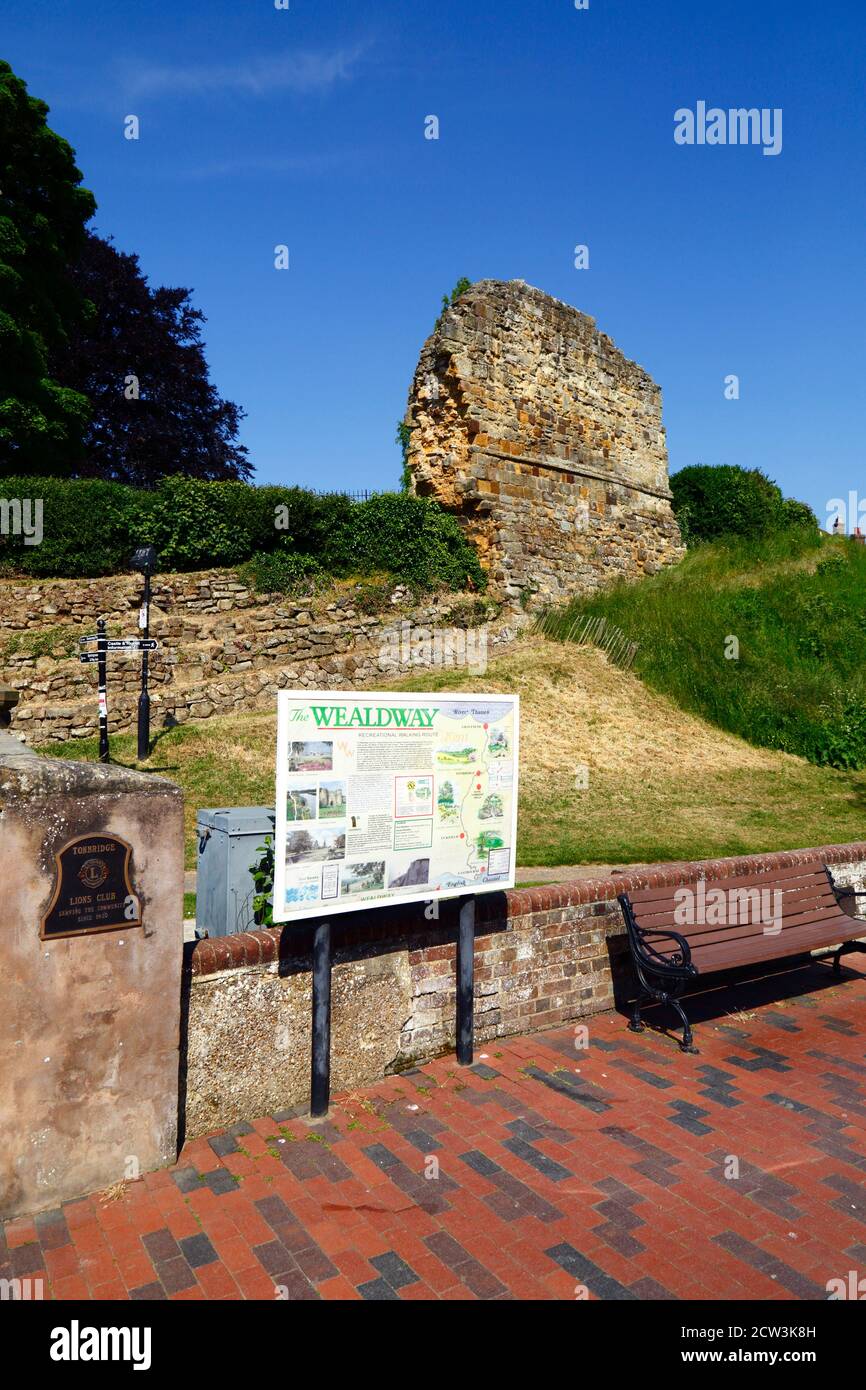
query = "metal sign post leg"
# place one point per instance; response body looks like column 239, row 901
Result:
column 320, row 1081
column 465, row 981
column 103, row 694
column 144, row 697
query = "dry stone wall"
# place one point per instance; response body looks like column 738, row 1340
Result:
column 547, row 443
column 223, row 648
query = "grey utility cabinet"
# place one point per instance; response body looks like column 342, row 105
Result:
column 228, row 841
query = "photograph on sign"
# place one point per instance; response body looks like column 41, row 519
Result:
column 392, row 798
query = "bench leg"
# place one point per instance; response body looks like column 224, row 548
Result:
column 844, row 950
column 636, row 1025
column 687, row 1044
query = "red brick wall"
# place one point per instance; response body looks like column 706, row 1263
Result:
column 543, row 955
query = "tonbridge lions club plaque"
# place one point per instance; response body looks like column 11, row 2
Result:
column 92, row 891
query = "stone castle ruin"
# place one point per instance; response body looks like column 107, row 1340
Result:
column 544, row 440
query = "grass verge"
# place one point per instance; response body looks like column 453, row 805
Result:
column 763, row 638
column 662, row 783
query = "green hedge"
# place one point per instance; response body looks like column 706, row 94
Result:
column 90, row 528
column 711, row 501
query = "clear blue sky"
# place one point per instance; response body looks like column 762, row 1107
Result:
column 306, row 127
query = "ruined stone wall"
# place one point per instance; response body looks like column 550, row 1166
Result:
column 223, row 648
column 545, row 440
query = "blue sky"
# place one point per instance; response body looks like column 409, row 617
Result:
column 305, row 126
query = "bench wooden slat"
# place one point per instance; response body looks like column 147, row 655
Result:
column 819, row 885
column 813, row 871
column 745, row 932
column 799, row 940
column 814, row 886
column 794, row 907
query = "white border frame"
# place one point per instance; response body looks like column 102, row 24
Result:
column 330, row 908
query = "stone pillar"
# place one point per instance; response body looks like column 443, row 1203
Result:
column 90, row 1017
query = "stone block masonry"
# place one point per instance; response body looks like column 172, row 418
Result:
column 546, row 442
column 223, row 648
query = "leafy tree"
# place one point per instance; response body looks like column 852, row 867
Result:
column 300, row 842
column 140, row 360
column 796, row 513
column 448, row 299
column 43, row 212
column 723, row 500
column 403, row 438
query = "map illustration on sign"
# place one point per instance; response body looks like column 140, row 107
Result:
column 392, row 798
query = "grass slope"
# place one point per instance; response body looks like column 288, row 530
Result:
column 663, row 784
column 796, row 606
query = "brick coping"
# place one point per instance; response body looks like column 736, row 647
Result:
column 216, row 954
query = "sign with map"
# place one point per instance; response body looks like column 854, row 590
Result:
column 386, row 798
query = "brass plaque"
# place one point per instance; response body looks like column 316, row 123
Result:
column 92, row 891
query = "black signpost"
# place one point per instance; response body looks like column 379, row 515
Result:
column 144, row 560
column 120, row 646
column 115, row 646
column 103, row 693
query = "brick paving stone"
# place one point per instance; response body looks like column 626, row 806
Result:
column 224, row 1144
column 161, row 1246
column 198, row 1250
column 27, row 1259
column 604, row 1169
column 378, row 1291
column 314, row 1263
column 181, row 1224
column 146, row 1292
column 72, row 1287
column 215, row 1281
column 175, row 1275
column 395, row 1270
column 338, row 1288
column 295, row 1287
column 221, row 1181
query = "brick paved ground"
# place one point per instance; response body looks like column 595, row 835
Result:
column 558, row 1167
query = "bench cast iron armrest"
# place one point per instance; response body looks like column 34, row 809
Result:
column 678, row 966
column 840, row 888
column 681, row 963
column 661, row 978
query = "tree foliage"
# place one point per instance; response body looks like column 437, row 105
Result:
column 139, row 359
column 43, row 212
column 448, row 299
column 710, row 501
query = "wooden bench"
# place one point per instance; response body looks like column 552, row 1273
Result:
column 678, row 935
